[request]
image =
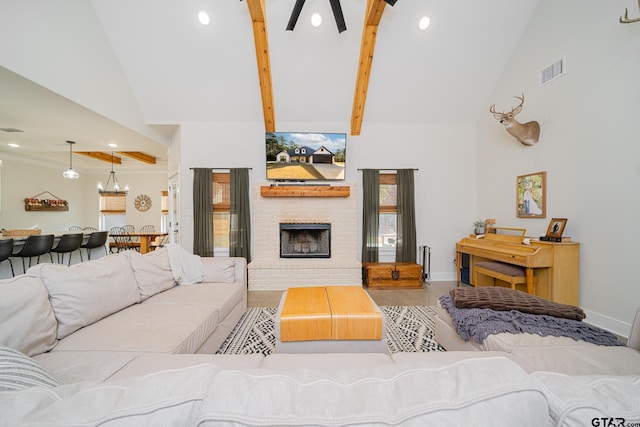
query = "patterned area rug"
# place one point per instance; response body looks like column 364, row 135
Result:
column 409, row 329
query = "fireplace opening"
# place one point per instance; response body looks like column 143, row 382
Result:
column 305, row 240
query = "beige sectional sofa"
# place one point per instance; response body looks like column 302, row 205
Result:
column 77, row 347
column 86, row 321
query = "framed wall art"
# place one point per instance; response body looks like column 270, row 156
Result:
column 531, row 195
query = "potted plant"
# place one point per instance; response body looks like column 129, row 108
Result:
column 479, row 226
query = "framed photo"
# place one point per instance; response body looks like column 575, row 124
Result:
column 556, row 227
column 531, row 195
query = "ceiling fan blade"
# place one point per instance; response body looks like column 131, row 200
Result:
column 295, row 13
column 337, row 14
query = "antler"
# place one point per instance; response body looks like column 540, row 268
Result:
column 492, row 109
column 625, row 19
column 521, row 98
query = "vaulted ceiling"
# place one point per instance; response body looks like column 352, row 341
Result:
column 180, row 71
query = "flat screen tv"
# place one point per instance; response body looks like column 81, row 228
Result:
column 305, row 156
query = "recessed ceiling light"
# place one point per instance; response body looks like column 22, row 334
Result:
column 424, row 22
column 204, row 18
column 112, row 145
column 316, row 19
column 13, row 144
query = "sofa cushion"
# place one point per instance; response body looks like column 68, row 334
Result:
column 152, row 271
column 151, row 328
column 494, row 390
column 165, row 398
column 586, row 359
column 325, row 361
column 18, row 371
column 92, row 366
column 151, row 363
column 591, row 400
column 89, row 291
column 218, row 270
column 27, row 322
column 223, row 296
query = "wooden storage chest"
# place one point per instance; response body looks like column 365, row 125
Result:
column 392, row 275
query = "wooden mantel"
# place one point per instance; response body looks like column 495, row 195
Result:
column 305, row 191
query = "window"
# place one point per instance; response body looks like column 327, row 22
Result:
column 113, row 210
column 221, row 209
column 388, row 230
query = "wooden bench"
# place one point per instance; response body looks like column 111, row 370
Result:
column 512, row 274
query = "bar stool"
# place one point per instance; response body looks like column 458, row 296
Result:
column 35, row 246
column 6, row 251
column 96, row 239
column 66, row 245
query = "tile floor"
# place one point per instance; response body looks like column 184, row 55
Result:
column 428, row 295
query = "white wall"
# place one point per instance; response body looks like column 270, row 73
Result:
column 22, row 178
column 588, row 145
column 444, row 155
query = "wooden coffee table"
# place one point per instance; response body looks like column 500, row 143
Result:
column 329, row 319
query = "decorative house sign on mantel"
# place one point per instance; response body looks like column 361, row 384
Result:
column 35, row 204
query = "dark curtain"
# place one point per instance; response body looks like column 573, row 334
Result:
column 406, row 245
column 240, row 221
column 370, row 214
column 202, row 212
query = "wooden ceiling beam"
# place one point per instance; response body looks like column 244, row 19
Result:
column 105, row 157
column 259, row 22
column 367, row 46
column 141, row 157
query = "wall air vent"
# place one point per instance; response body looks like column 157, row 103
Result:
column 553, row 71
column 11, row 130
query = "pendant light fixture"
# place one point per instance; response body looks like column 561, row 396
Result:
column 116, row 185
column 70, row 173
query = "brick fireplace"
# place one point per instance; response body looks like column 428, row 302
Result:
column 338, row 265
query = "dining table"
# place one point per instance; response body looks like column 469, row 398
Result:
column 146, row 239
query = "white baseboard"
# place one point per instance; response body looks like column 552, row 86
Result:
column 443, row 277
column 616, row 326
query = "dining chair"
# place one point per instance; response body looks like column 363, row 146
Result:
column 89, row 229
column 96, row 239
column 131, row 229
column 67, row 244
column 75, row 228
column 148, row 229
column 122, row 240
column 159, row 242
column 6, row 251
column 35, row 246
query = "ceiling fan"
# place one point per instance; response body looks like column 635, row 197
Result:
column 335, row 7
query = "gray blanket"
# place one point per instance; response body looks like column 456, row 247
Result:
column 478, row 323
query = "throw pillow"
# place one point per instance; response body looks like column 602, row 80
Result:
column 27, row 322
column 152, row 271
column 218, row 270
column 89, row 291
column 18, row 372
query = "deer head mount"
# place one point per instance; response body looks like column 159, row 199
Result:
column 625, row 19
column 525, row 133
